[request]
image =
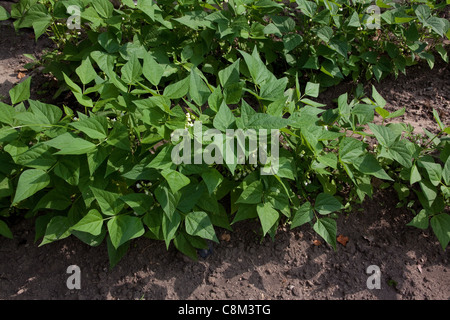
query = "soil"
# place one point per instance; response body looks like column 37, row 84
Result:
column 297, row 265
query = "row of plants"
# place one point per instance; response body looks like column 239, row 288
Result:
column 102, row 168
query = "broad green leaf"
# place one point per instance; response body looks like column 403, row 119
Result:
column 252, row 193
column 268, row 216
column 350, row 149
column 441, row 227
column 184, row 246
column 178, row 89
column 353, row 21
column 266, row 121
column 326, row 204
column 378, row 98
column 415, row 175
column 57, row 229
column 119, row 137
column 6, row 113
column 152, row 70
column 170, row 227
column 327, row 229
column 21, row 91
column 291, row 41
column 103, row 7
column 230, row 74
column 86, row 71
column 92, row 223
column 175, row 179
column 308, row 8
column 38, row 157
column 123, row 228
column 68, row 143
column 139, row 202
column 212, row 179
column 434, row 170
column 132, row 70
column 4, row 15
column 167, row 199
column 198, row 90
column 30, row 182
column 420, row 220
column 198, row 224
column 429, row 191
column 224, row 118
column 68, row 169
column 369, row 165
column 55, row 199
column 45, row 113
column 303, row 215
column 116, row 254
column 401, row 152
column 109, row 202
column 4, row 229
column 385, row 136
column 446, row 172
column 94, row 127
column 312, row 89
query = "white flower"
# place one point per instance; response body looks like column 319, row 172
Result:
column 340, row 9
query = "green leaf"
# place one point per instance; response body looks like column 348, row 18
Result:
column 415, row 175
column 57, row 229
column 303, row 215
column 268, row 216
column 326, row 204
column 308, row 8
column 441, row 227
column 4, row 15
column 212, row 178
column 152, row 70
column 178, row 89
column 224, row 118
column 198, row 224
column 103, row 7
column 327, row 229
column 446, row 172
column 402, row 153
column 116, row 254
column 6, row 113
column 378, row 98
column 184, row 246
column 350, row 149
column 420, row 220
column 91, row 223
column 119, row 137
column 438, row 120
column 354, row 20
column 108, row 201
column 94, row 127
column 20, row 92
column 369, row 165
column 252, row 193
column 198, row 90
column 385, row 135
column 132, row 70
column 4, row 230
column 139, row 202
column 312, row 89
column 175, row 179
column 123, row 228
column 170, row 227
column 69, row 143
column 30, row 182
column 86, row 71
column 434, row 170
column 68, row 169
column 167, row 199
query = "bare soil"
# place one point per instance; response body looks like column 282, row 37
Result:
column 295, row 266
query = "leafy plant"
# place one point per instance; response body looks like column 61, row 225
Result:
column 102, row 169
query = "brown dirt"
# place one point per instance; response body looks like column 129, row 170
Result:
column 412, row 264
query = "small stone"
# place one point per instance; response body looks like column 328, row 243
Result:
column 296, row 292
